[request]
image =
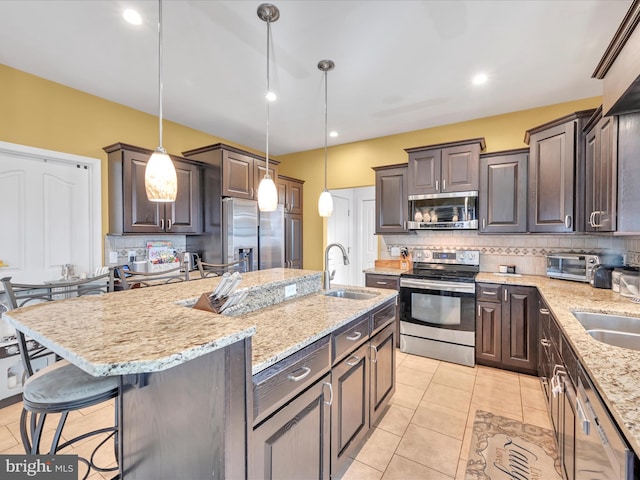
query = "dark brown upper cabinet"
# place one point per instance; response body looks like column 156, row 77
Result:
column 392, row 205
column 445, row 167
column 129, row 209
column 503, row 191
column 556, row 174
column 241, row 171
column 601, row 155
column 619, row 67
column 290, row 194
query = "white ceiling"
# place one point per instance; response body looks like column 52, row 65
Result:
column 400, row 65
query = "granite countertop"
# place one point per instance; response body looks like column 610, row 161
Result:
column 150, row 329
column 385, row 271
column 614, row 371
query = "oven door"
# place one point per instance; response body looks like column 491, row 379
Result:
column 438, row 304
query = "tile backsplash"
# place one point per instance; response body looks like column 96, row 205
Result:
column 526, row 252
column 123, row 244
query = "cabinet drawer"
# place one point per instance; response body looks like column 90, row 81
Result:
column 382, row 281
column 346, row 339
column 488, row 292
column 383, row 316
column 279, row 383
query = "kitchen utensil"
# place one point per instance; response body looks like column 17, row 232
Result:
column 232, row 283
column 218, row 291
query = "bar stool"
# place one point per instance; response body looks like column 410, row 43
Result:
column 216, row 269
column 128, row 280
column 62, row 387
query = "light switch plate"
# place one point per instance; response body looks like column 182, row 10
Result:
column 290, row 290
column 113, row 257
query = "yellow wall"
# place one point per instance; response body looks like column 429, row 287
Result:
column 350, row 165
column 44, row 114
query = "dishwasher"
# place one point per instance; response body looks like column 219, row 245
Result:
column 600, row 451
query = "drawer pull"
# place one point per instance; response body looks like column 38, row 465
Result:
column 355, row 361
column 355, row 336
column 489, row 293
column 378, row 282
column 544, row 311
column 330, row 402
column 305, row 372
column 545, row 343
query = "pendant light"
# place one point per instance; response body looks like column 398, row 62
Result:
column 267, row 192
column 160, row 180
column 325, row 202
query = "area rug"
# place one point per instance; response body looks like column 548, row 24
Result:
column 506, row 449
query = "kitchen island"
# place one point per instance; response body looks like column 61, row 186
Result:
column 614, row 371
column 186, row 374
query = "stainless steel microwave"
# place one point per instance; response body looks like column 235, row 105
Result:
column 444, row 211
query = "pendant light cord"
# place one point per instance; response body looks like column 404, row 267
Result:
column 325, row 129
column 268, row 101
column 160, row 83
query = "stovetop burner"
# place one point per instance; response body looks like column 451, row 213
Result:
column 450, row 265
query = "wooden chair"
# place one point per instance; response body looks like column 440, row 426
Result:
column 216, row 269
column 62, row 387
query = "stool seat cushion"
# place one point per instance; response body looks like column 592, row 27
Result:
column 63, row 382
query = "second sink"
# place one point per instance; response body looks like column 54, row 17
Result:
column 615, row 330
column 352, row 294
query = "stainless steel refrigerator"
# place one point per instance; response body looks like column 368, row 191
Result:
column 247, row 232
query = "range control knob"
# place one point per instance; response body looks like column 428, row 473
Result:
column 12, row 350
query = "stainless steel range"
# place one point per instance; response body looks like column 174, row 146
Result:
column 437, row 305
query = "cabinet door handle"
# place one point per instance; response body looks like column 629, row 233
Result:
column 162, row 224
column 296, row 378
column 355, row 336
column 354, row 362
column 505, row 294
column 544, row 311
column 444, row 184
column 599, row 222
column 330, row 402
column 436, row 185
column 251, row 192
column 591, row 219
column 484, row 223
column 374, row 359
column 169, row 224
column 567, row 221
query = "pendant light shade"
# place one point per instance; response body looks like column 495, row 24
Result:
column 267, row 192
column 160, row 180
column 325, row 202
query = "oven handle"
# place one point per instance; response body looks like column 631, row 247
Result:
column 434, row 285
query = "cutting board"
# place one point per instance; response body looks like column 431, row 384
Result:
column 401, row 264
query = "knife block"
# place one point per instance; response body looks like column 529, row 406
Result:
column 208, row 305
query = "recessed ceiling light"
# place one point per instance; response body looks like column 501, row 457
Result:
column 480, row 78
column 333, row 134
column 271, row 97
column 132, row 17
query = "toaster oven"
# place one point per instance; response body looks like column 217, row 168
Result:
column 578, row 266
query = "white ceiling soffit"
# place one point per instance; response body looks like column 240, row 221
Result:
column 400, row 65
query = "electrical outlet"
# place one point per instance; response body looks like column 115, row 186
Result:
column 132, row 255
column 113, row 257
column 290, row 290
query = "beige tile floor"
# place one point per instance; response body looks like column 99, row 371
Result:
column 78, row 422
column 426, row 432
column 424, row 435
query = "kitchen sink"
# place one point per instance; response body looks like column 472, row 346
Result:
column 614, row 330
column 352, row 294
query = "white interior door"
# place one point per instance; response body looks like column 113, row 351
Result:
column 50, row 215
column 353, row 221
column 339, row 230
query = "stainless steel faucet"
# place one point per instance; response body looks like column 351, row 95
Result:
column 327, row 277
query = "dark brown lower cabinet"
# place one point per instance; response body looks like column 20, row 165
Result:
column 295, row 442
column 390, row 282
column 383, row 370
column 507, row 327
column 350, row 409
